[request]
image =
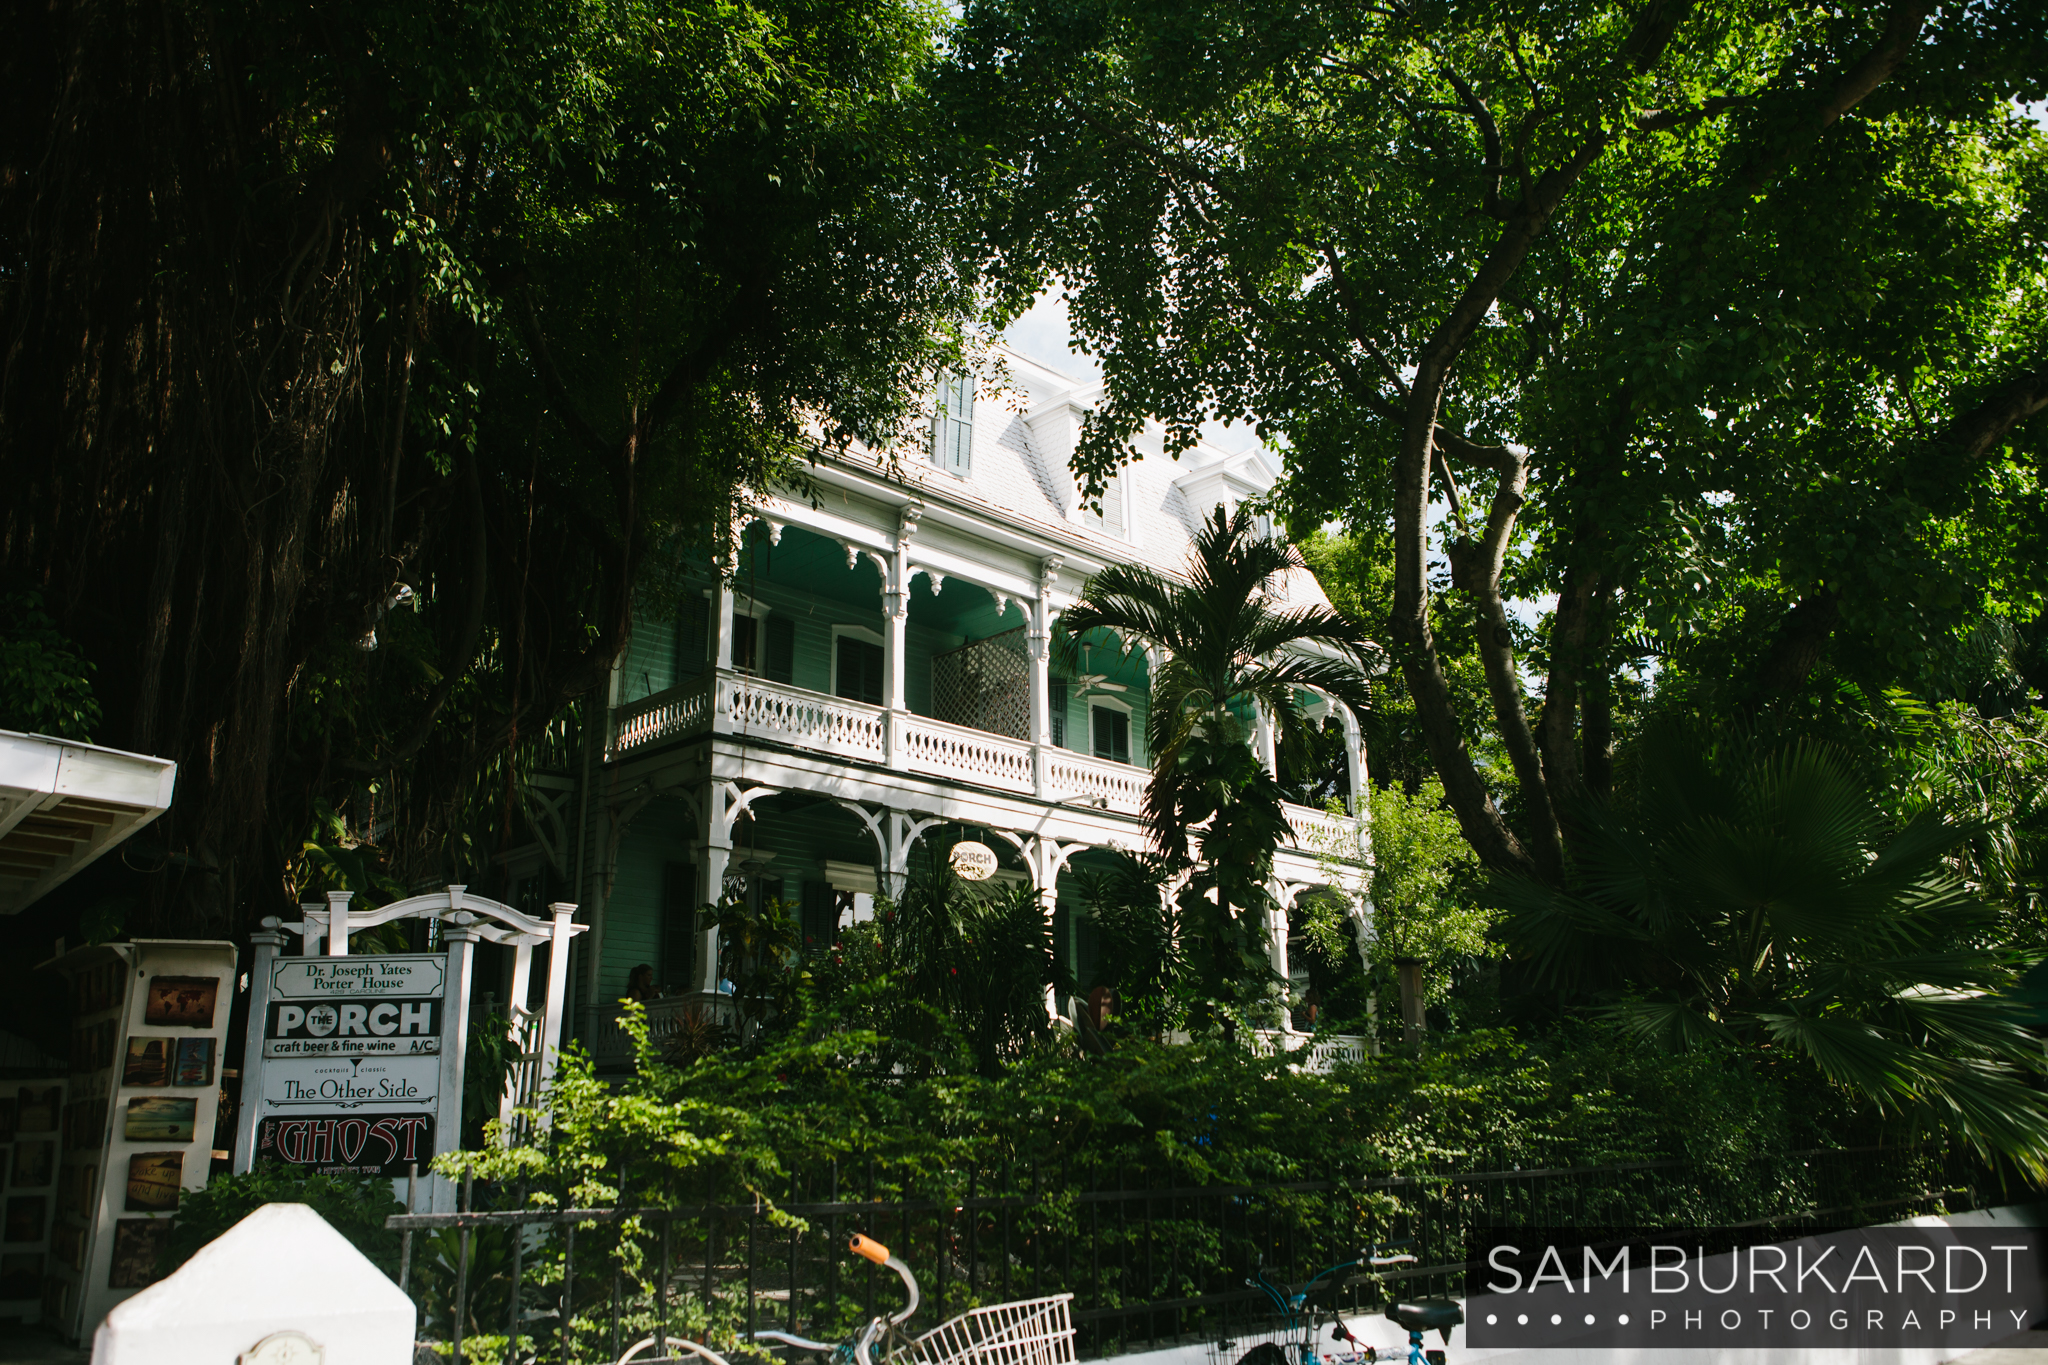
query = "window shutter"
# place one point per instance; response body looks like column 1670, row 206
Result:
column 746, row 644
column 860, row 671
column 780, row 665
column 693, row 636
column 1056, row 712
column 1112, row 734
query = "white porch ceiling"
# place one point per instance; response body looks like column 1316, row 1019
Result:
column 63, row 804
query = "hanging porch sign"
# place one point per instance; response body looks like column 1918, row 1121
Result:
column 973, row 862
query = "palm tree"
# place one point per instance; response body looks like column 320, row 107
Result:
column 1232, row 649
column 1761, row 900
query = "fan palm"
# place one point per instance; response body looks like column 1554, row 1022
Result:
column 1232, row 648
column 981, row 952
column 1764, row 900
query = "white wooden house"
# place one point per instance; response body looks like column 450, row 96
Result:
column 879, row 674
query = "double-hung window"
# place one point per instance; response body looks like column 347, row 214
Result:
column 1109, row 516
column 1112, row 733
column 953, row 425
column 857, row 670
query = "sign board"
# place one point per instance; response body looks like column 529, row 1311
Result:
column 352, row 1072
column 974, row 862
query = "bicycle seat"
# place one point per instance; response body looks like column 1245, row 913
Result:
column 1427, row 1315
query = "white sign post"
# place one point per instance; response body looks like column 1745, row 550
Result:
column 356, row 1062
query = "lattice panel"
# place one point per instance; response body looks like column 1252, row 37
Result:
column 985, row 685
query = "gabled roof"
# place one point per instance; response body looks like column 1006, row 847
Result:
column 1027, row 423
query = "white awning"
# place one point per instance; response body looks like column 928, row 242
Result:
column 63, row 804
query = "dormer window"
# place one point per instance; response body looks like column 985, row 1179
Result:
column 1108, row 516
column 953, row 425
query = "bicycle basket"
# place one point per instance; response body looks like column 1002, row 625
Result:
column 1027, row 1332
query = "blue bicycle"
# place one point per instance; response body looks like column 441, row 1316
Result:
column 1302, row 1321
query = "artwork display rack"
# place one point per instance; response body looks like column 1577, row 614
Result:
column 148, row 1031
column 30, row 1113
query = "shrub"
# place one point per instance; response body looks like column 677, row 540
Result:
column 355, row 1205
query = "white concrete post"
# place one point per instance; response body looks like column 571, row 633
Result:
column 281, row 1285
column 268, row 942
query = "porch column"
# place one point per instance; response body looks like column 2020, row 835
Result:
column 714, row 855
column 1262, row 743
column 1045, row 862
column 896, row 620
column 1038, row 644
column 721, row 626
column 1276, row 951
column 1354, row 764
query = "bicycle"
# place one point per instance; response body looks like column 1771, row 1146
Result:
column 1299, row 1318
column 1022, row 1332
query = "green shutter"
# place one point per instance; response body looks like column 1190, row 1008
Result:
column 780, row 664
column 693, row 636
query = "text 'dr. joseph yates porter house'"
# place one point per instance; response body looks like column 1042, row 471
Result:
column 878, row 674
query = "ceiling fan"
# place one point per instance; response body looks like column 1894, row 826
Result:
column 1096, row 682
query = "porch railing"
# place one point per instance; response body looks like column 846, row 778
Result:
column 1097, row 781
column 737, row 704
column 667, row 1018
column 1151, row 1262
column 987, row 760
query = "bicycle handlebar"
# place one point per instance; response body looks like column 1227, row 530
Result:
column 869, row 1249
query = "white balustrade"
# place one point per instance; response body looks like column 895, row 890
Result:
column 806, row 719
column 974, row 756
column 669, row 714
column 1319, row 1051
column 1096, row 781
column 1318, row 831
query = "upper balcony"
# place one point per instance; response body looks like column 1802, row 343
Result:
column 875, row 657
column 729, row 703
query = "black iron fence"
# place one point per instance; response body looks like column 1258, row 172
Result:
column 1150, row 1263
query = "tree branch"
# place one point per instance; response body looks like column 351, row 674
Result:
column 1408, row 623
column 1476, row 569
column 1489, row 137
